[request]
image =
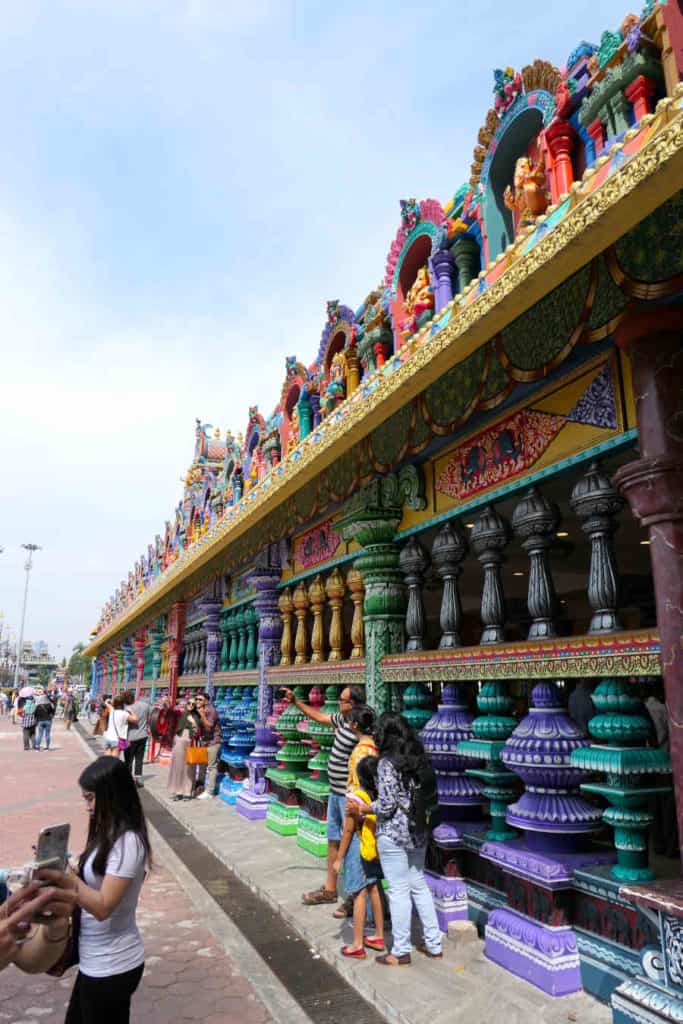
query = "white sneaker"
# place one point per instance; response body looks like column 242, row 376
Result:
column 205, row 796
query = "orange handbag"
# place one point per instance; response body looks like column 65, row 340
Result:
column 197, row 755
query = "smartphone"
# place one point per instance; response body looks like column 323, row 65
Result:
column 52, row 848
column 52, row 851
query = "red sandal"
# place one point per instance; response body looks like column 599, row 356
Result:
column 355, row 954
column 376, row 944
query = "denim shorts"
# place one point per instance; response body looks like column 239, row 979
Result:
column 336, row 812
column 354, row 876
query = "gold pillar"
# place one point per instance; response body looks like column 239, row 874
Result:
column 353, row 371
column 335, row 590
column 354, row 582
column 316, row 595
column 286, row 608
column 300, row 600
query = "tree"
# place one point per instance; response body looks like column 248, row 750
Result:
column 79, row 664
column 43, row 676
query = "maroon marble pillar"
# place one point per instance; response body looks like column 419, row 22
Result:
column 176, row 629
column 653, row 486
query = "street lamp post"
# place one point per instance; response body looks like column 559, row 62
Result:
column 20, row 644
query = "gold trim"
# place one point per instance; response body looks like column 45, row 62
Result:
column 598, row 219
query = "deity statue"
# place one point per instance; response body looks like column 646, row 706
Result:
column 418, row 301
column 294, row 429
column 335, row 392
column 527, row 198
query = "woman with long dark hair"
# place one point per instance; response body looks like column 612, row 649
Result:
column 401, row 850
column 106, row 889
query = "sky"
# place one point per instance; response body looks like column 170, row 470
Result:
column 183, row 185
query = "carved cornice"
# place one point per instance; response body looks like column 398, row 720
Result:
column 598, row 219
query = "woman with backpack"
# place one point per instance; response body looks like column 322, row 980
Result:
column 405, row 795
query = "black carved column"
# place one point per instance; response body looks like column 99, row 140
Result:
column 489, row 536
column 534, row 522
column 595, row 500
column 414, row 562
column 448, row 552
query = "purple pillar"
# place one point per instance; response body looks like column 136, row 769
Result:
column 212, row 610
column 315, row 406
column 442, row 269
column 253, row 799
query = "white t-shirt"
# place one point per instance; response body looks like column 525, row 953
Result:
column 117, row 726
column 114, row 946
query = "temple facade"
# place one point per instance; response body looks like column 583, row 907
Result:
column 469, row 500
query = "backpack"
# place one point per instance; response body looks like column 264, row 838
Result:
column 44, row 712
column 424, row 813
column 29, row 706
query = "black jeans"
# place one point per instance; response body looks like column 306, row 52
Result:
column 29, row 737
column 103, row 1000
column 135, row 751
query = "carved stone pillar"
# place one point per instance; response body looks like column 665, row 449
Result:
column 234, row 641
column 595, row 500
column 225, row 643
column 335, row 589
column 442, row 268
column 414, row 562
column 253, row 799
column 242, row 640
column 300, row 602
column 212, row 610
column 534, row 522
column 286, row 607
column 448, row 552
column 176, row 628
column 640, row 93
column 251, row 623
column 316, row 597
column 128, row 660
column 353, row 364
column 372, row 518
column 354, row 582
column 488, row 539
column 653, row 486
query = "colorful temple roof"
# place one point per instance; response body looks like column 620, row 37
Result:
column 566, row 162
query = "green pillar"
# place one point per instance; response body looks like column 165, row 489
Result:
column 232, row 631
column 242, row 644
column 157, row 638
column 372, row 517
column 251, row 623
column 225, row 643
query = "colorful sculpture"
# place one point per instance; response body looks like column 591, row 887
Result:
column 335, row 392
column 419, row 303
column 527, row 197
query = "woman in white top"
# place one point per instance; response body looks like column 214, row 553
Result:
column 117, row 726
column 111, row 871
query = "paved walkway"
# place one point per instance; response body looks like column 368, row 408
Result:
column 193, row 969
column 464, row 987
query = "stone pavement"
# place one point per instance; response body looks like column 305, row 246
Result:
column 465, row 986
column 196, row 964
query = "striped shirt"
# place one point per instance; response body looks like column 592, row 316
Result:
column 345, row 740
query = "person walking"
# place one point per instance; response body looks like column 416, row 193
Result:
column 106, row 890
column 211, row 737
column 70, row 709
column 180, row 774
column 345, row 740
column 137, row 735
column 3, row 703
column 44, row 714
column 400, row 844
column 28, row 722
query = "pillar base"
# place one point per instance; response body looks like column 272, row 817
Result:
column 252, row 805
column 230, row 790
column 450, row 898
column 311, row 835
column 545, row 956
column 282, row 818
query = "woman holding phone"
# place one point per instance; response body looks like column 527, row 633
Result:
column 106, row 888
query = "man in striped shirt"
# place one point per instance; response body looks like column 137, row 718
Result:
column 338, row 772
